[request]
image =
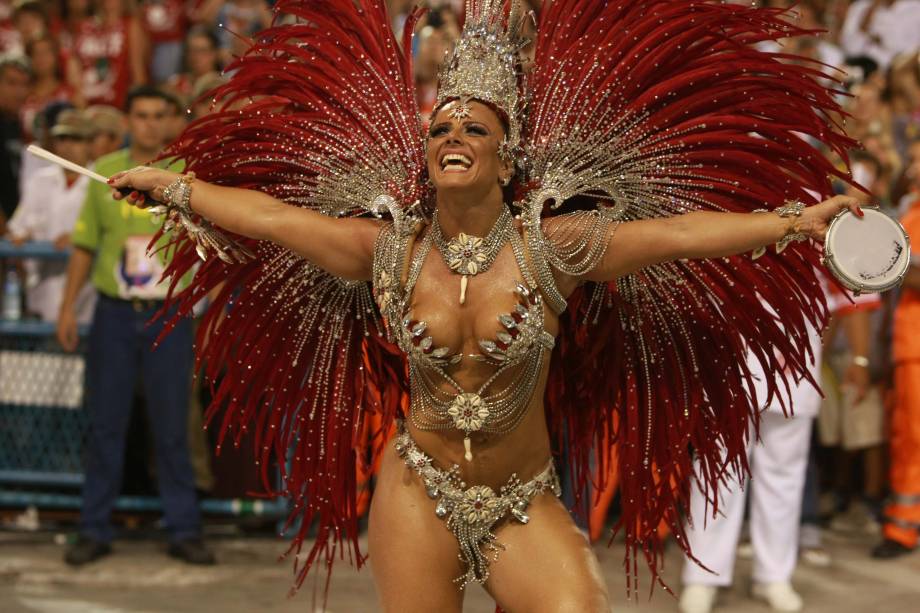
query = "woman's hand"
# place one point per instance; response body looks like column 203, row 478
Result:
column 141, row 180
column 814, row 220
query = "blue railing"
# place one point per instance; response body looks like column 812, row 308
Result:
column 33, row 328
column 26, row 334
column 34, row 249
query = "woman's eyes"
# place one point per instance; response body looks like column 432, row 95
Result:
column 468, row 128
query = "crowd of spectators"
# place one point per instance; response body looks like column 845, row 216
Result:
column 87, row 55
column 67, row 66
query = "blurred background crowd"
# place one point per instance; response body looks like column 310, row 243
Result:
column 67, row 67
column 87, row 54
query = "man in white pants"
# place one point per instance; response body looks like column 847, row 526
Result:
column 778, row 461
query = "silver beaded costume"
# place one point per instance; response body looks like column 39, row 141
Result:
column 521, row 347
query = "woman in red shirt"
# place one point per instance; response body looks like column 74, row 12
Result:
column 109, row 48
column 73, row 12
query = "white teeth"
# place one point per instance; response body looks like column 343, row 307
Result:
column 456, row 159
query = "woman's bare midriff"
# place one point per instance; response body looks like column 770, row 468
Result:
column 523, row 451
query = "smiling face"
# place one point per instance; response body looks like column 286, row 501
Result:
column 463, row 151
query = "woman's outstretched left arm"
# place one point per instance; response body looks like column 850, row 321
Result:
column 704, row 234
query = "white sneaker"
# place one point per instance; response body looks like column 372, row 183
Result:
column 779, row 595
column 815, row 556
column 696, row 598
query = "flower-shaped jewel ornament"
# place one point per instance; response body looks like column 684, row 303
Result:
column 478, row 505
column 461, row 109
column 468, row 411
column 465, row 254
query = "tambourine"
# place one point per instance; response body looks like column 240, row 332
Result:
column 867, row 254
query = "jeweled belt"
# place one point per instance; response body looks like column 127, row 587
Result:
column 472, row 512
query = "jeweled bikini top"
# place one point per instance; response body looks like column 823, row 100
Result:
column 522, row 343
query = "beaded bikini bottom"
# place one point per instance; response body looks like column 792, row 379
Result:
column 472, row 512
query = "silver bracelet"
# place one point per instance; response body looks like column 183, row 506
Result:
column 176, row 206
column 178, row 194
column 791, row 208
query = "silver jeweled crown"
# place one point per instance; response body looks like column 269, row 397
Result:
column 485, row 62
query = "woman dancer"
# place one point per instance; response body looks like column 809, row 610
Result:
column 471, row 277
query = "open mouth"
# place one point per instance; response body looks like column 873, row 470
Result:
column 455, row 162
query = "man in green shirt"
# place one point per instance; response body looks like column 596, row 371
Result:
column 110, row 241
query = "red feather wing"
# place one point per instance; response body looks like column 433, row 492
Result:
column 651, row 109
column 320, row 113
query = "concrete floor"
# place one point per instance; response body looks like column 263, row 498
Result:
column 139, row 578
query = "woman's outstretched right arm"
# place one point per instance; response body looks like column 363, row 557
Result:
column 342, row 246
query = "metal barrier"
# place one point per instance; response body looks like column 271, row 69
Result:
column 43, row 422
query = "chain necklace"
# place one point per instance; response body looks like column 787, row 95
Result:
column 470, row 255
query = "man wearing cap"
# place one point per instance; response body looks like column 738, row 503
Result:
column 110, row 242
column 108, row 130
column 48, row 210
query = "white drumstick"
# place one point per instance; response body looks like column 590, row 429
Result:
column 47, row 155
